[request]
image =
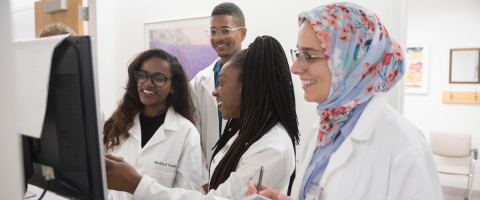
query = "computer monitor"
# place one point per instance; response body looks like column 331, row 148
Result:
column 71, row 136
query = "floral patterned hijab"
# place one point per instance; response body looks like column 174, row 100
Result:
column 362, row 57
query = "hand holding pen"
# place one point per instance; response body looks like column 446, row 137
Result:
column 260, row 180
column 263, row 190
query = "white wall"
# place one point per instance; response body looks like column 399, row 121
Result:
column 398, row 30
column 11, row 181
column 105, row 36
column 23, row 19
column 18, row 3
column 262, row 18
column 445, row 24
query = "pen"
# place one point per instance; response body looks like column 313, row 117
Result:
column 260, row 180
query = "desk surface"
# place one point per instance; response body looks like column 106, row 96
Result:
column 38, row 191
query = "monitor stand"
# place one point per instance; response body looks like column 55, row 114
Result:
column 29, row 194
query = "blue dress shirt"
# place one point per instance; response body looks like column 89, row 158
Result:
column 216, row 72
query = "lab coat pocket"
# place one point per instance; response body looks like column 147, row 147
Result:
column 164, row 178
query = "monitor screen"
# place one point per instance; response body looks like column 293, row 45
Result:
column 71, row 136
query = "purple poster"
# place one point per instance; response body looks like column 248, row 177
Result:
column 186, row 39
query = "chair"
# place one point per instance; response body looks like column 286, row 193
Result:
column 455, row 145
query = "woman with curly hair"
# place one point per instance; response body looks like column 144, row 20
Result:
column 152, row 128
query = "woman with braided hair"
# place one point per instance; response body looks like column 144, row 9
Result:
column 360, row 148
column 255, row 93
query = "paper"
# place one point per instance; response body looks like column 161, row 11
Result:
column 33, row 60
column 256, row 197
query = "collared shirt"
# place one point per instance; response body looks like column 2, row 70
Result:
column 321, row 157
column 216, row 71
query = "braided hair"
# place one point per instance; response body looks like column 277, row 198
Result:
column 267, row 98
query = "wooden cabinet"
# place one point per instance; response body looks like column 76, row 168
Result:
column 67, row 17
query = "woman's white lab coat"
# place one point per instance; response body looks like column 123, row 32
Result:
column 206, row 113
column 384, row 157
column 274, row 151
column 172, row 156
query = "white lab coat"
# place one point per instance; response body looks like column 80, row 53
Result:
column 384, row 157
column 172, row 156
column 206, row 114
column 274, row 151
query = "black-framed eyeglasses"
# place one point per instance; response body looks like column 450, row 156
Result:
column 304, row 58
column 158, row 80
column 225, row 32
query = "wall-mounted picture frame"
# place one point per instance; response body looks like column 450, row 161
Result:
column 417, row 67
column 186, row 39
column 464, row 66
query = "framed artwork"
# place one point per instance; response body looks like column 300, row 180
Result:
column 464, row 66
column 416, row 68
column 185, row 39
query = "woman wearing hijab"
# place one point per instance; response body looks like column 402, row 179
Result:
column 360, row 148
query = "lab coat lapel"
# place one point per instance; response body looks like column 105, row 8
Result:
column 136, row 131
column 208, row 82
column 170, row 124
column 337, row 159
column 361, row 132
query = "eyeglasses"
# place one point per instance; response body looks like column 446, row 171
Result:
column 304, row 58
column 225, row 32
column 157, row 80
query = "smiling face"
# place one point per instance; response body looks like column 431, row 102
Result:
column 317, row 78
column 229, row 90
column 226, row 47
column 154, row 98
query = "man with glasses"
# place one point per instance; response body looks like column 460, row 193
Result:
column 226, row 33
